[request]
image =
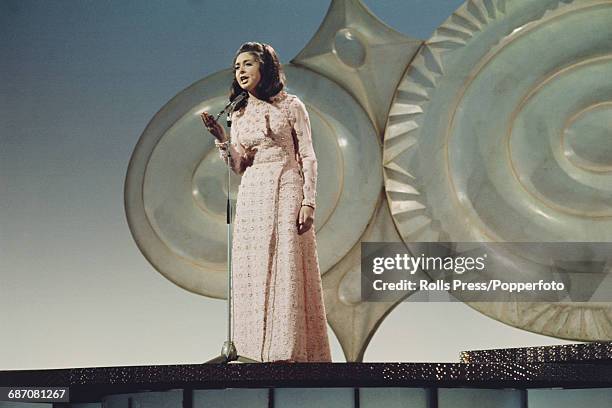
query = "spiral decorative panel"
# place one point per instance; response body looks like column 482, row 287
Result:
column 500, row 131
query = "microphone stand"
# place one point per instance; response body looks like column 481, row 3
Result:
column 228, row 350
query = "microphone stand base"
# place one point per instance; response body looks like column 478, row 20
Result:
column 229, row 355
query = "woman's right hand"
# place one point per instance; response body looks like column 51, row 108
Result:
column 213, row 126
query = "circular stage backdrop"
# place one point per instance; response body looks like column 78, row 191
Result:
column 175, row 191
column 500, row 131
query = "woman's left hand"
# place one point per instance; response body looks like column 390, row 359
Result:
column 305, row 219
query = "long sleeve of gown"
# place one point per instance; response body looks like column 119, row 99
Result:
column 309, row 160
column 237, row 153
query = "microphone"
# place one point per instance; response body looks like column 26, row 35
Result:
column 231, row 106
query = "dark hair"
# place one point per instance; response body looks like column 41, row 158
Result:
column 272, row 76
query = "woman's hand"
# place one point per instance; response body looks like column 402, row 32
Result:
column 213, row 126
column 305, row 219
column 247, row 157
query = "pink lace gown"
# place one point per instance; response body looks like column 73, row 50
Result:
column 278, row 310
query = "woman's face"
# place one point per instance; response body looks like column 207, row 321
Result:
column 246, row 70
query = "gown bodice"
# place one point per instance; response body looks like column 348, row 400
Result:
column 277, row 131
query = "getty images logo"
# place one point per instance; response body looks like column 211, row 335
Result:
column 411, row 264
